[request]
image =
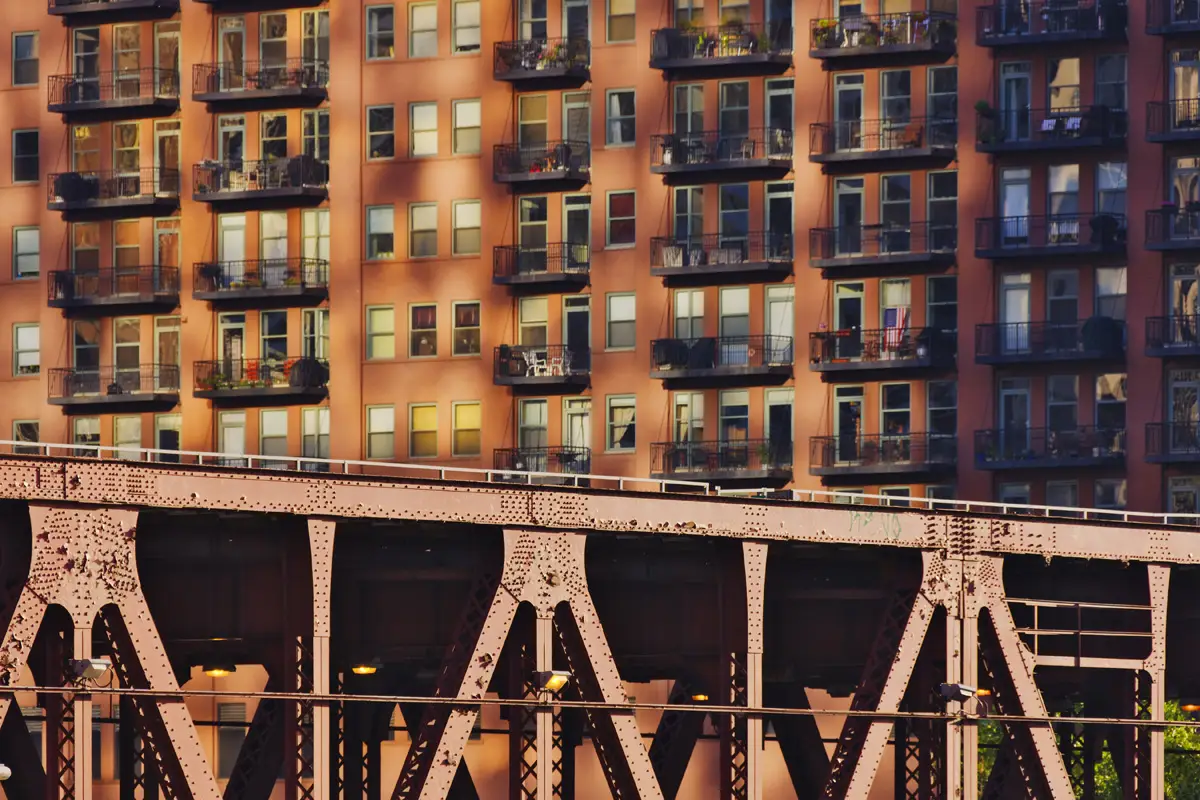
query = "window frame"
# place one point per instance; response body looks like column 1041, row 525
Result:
column 30, row 448
column 608, row 321
column 381, row 132
column 618, row 401
column 412, row 309
column 413, row 231
column 413, row 31
column 36, row 157
column 455, row 229
column 608, row 23
column 455, row 127
column 609, row 119
column 455, row 430
column 17, row 351
column 608, row 220
column 412, row 430
column 455, row 27
column 367, row 450
column 413, row 131
column 374, row 36
column 375, row 335
column 455, row 328
column 36, row 38
column 17, row 255
column 382, row 255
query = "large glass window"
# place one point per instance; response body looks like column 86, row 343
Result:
column 381, row 431
column 381, row 32
column 1062, row 402
column 622, row 412
column 468, row 425
column 422, row 30
column 1062, row 84
column 423, row 129
column 422, row 431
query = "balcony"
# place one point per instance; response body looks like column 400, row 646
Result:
column 149, row 191
column 715, row 256
column 126, row 94
column 567, row 461
column 145, row 385
column 557, row 163
column 258, row 5
column 1173, row 442
column 738, row 460
column 861, row 249
column 1050, row 236
column 1098, row 339
column 1011, row 23
column 1171, row 17
column 736, row 49
column 246, row 379
column 1029, row 130
column 884, row 39
column 1047, row 448
column 561, row 264
column 93, row 12
column 891, row 350
column 883, row 142
column 722, row 360
column 543, row 366
column 754, row 154
column 1173, row 121
column 1173, row 228
column 294, row 82
column 301, row 279
column 1173, row 337
column 115, row 289
column 279, row 182
column 861, row 455
column 543, row 63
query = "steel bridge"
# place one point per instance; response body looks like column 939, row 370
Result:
column 461, row 586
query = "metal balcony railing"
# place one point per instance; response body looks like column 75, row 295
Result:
column 717, row 352
column 1007, row 129
column 533, row 58
column 1175, row 334
column 296, row 172
column 1164, row 16
column 288, row 76
column 728, row 457
column 87, row 188
column 112, row 383
column 133, row 284
column 714, row 251
column 1093, row 232
column 1095, row 338
column 551, row 159
column 880, row 240
column 565, row 459
column 556, row 258
column 120, row 87
column 906, row 30
column 857, row 136
column 740, row 41
column 1173, row 228
column 1173, row 119
column 1173, row 441
column 1019, row 21
column 265, row 275
column 863, row 452
column 233, row 375
column 682, row 151
column 896, row 347
column 514, row 362
column 1022, row 446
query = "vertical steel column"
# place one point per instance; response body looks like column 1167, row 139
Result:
column 1159, row 578
column 320, row 548
column 754, row 556
column 60, row 777
column 543, row 652
column 81, row 713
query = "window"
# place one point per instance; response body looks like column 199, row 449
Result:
column 942, row 105
column 897, row 496
column 620, row 107
column 381, row 332
column 273, row 133
column 314, row 235
column 85, row 148
column 1062, row 83
column 314, row 433
column 1062, row 494
column 381, row 32
column 127, row 148
column 315, row 135
column 274, row 336
column 422, row 230
column 734, row 112
column 314, row 334
column 422, row 135
column 272, row 242
column 622, row 229
column 422, row 431
column 621, row 20
column 86, row 431
column 1062, row 403
column 1109, row 493
column 468, row 219
column 167, row 429
column 1110, row 409
column 532, row 434
column 467, row 124
column 1064, row 203
column 896, row 413
column 468, row 424
column 532, row 321
column 422, row 335
column 466, row 329
column 466, row 37
column 127, row 437
column 533, row 126
column 422, row 30
column 620, row 426
column 1110, row 187
column 622, row 322
column 1110, row 82
column 381, row 431
column 1014, row 494
column 25, row 59
column 314, row 41
column 272, row 432
column 86, row 356
column 733, row 220
column 896, row 95
column 231, row 432
column 272, row 40
column 381, row 132
column 26, row 430
column 733, row 422
column 1110, row 292
column 381, row 232
column 25, row 156
column 27, row 349
column 941, row 297
column 231, row 733
column 26, row 252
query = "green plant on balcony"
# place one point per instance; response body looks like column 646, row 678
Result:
column 291, row 280
column 892, row 34
column 827, row 34
column 869, row 37
column 764, row 454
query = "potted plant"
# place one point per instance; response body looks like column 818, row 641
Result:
column 764, row 454
column 827, row 34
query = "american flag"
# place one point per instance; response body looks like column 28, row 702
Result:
column 895, row 323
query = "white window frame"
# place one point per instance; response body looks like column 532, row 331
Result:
column 413, row 31
column 376, row 33
column 608, row 220
column 18, row 256
column 413, row 210
column 386, row 413
column 414, row 132
column 454, row 429
column 412, row 431
column 609, row 119
column 374, row 336
column 466, row 206
column 18, row 351
column 478, row 126
column 608, row 320
column 618, row 401
column 383, row 255
column 455, row 27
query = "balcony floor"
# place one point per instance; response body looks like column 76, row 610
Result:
column 117, row 108
column 116, row 302
column 719, row 376
column 315, row 293
column 764, row 475
column 163, row 397
column 1067, row 462
column 296, row 95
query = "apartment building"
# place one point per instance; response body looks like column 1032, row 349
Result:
column 855, row 247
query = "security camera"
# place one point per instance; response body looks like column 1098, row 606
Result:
column 89, row 668
column 5, row 772
column 957, row 692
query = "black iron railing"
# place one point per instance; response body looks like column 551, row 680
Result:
column 1102, row 231
column 126, row 85
column 713, row 250
column 700, row 45
column 1021, row 19
column 1162, row 15
column 1172, row 226
column 909, row 29
column 1165, row 439
column 264, row 274
column 1006, row 128
column 1181, row 332
column 555, row 258
column 1024, row 444
column 1173, row 117
column 541, row 361
column 1096, row 337
column 296, row 172
column 889, row 346
column 259, row 76
column 853, row 450
column 868, row 241
column 548, row 56
column 249, row 374
column 143, row 283
column 733, row 456
column 716, row 352
column 566, row 459
column 881, row 135
column 721, row 148
column 112, row 382
column 82, row 188
column 555, row 157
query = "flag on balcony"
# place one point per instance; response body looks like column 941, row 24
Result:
column 895, row 323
